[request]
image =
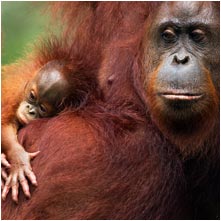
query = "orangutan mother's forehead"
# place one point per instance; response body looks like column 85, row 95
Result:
column 186, row 12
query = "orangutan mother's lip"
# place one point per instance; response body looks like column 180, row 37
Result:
column 181, row 96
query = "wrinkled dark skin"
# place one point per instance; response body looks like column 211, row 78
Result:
column 185, row 83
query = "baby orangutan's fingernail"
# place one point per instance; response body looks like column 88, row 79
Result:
column 35, row 183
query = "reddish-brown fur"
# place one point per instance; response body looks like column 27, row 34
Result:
column 108, row 160
column 79, row 75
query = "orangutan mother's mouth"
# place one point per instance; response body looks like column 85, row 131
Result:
column 181, row 96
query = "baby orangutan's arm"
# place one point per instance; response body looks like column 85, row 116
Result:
column 17, row 162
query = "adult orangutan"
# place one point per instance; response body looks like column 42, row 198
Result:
column 149, row 147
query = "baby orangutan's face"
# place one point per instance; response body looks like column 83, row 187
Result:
column 43, row 95
column 31, row 108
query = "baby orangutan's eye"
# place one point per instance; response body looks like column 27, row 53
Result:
column 43, row 109
column 32, row 96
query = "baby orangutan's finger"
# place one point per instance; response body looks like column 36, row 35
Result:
column 4, row 174
column 5, row 192
column 31, row 176
column 15, row 186
column 33, row 155
column 4, row 162
column 24, row 184
column 2, row 184
column 6, row 187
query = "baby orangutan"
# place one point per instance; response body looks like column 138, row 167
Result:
column 44, row 97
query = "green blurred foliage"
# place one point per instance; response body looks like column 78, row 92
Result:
column 22, row 23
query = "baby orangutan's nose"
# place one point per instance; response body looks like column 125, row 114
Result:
column 31, row 110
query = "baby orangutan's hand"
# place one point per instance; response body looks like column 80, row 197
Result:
column 19, row 168
column 5, row 165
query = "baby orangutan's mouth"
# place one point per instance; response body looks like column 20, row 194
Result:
column 22, row 119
